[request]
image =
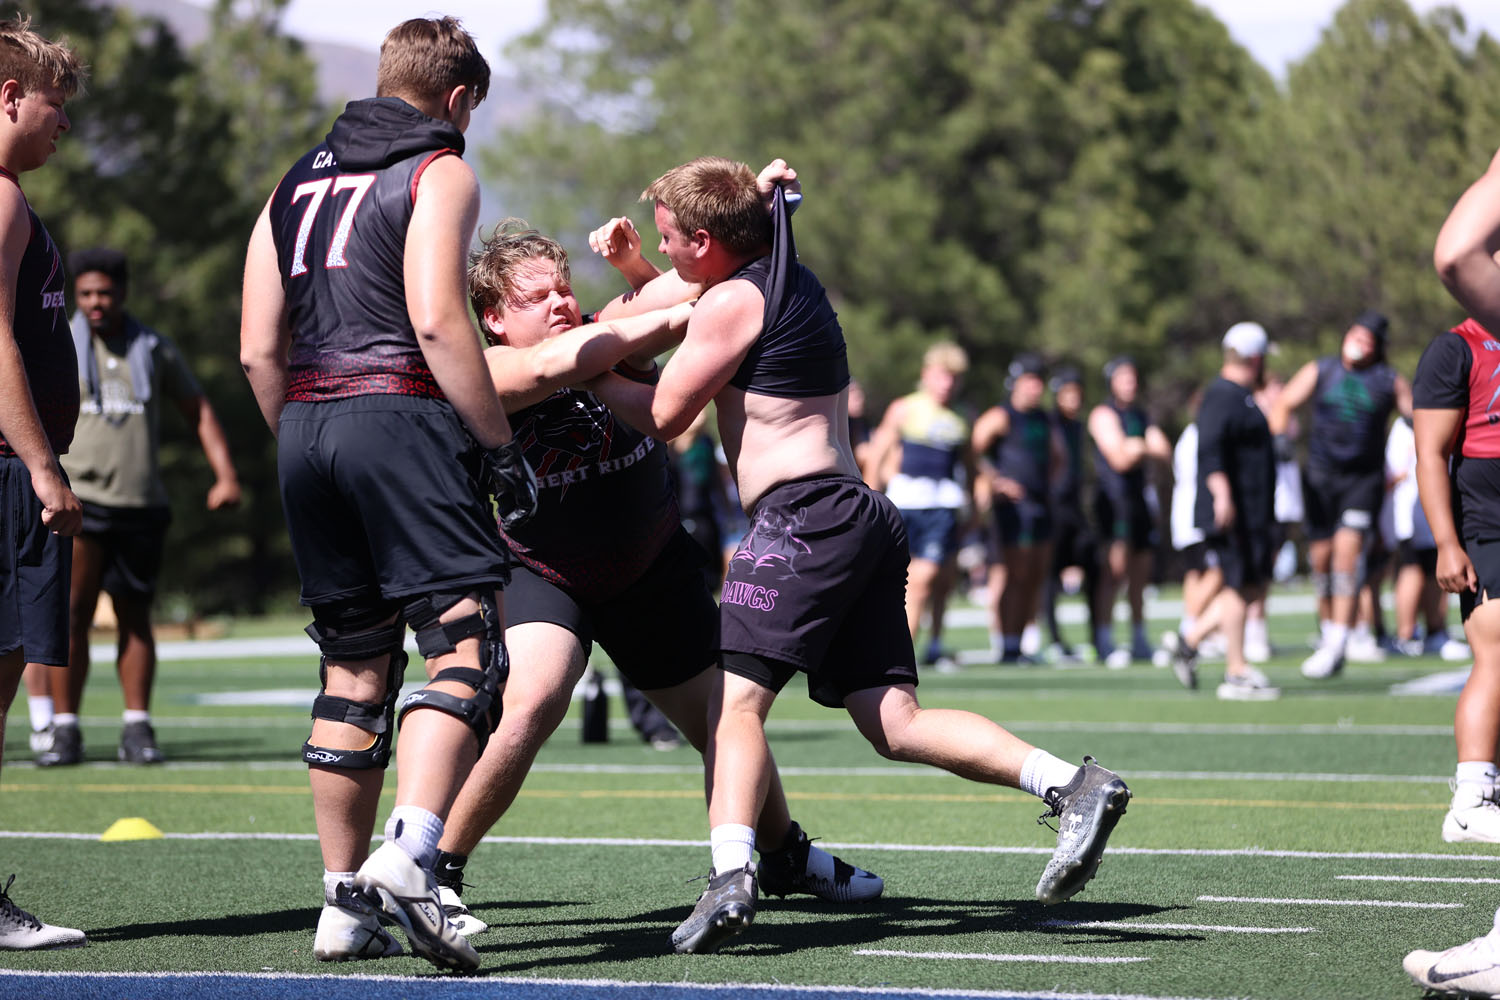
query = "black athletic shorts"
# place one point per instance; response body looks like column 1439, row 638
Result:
column 1018, row 524
column 1486, row 559
column 1245, row 557
column 1073, row 542
column 1198, row 557
column 819, row 585
column 382, row 500
column 131, row 541
column 1409, row 555
column 36, row 569
column 1125, row 519
column 1335, row 499
column 660, row 631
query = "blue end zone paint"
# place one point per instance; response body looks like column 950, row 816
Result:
column 276, row 986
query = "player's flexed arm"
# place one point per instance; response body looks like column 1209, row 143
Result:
column 1467, row 245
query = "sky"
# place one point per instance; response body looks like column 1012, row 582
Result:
column 1275, row 31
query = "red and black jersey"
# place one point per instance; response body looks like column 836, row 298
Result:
column 605, row 503
column 41, row 330
column 340, row 217
column 1460, row 370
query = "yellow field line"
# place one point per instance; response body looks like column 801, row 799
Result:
column 1003, row 798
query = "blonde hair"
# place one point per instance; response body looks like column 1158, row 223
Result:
column 719, row 197
column 34, row 62
column 947, row 355
column 425, row 58
column 493, row 267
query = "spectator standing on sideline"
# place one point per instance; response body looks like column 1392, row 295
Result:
column 929, row 485
column 1022, row 454
column 1353, row 394
column 1458, row 477
column 355, row 335
column 1125, row 442
column 1073, row 543
column 38, row 400
column 1235, row 510
column 124, row 370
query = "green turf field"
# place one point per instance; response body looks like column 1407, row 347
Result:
column 1282, row 849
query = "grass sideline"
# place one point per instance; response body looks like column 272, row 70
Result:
column 1268, row 851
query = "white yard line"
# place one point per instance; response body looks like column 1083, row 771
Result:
column 1126, row 925
column 1471, row 880
column 1401, row 904
column 980, row 956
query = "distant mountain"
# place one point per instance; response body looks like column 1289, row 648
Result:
column 346, row 71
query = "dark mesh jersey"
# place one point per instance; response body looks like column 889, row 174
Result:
column 1025, row 453
column 340, row 217
column 41, row 330
column 1351, row 415
column 605, row 504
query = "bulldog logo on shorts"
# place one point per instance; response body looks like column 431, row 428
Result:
column 771, row 541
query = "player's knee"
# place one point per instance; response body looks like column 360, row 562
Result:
column 353, row 632
column 441, row 624
column 1322, row 584
column 1343, row 583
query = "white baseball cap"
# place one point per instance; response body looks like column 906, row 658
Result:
column 1248, row 340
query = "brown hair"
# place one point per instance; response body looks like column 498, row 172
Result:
column 718, row 196
column 493, row 267
column 34, row 62
column 425, row 58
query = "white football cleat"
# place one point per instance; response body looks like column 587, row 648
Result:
column 1473, row 815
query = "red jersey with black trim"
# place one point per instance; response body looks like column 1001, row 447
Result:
column 340, row 217
column 1460, row 370
column 40, row 326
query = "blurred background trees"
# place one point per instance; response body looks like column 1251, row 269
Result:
column 1076, row 177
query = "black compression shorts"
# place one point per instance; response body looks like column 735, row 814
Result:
column 1337, row 500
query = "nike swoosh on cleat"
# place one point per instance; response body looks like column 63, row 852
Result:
column 1440, row 977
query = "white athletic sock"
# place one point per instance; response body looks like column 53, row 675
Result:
column 996, row 643
column 1255, row 630
column 1042, row 771
column 1185, row 627
column 417, row 831
column 65, row 719
column 732, row 845
column 331, row 882
column 40, row 708
column 1337, row 636
column 1480, row 772
column 136, row 715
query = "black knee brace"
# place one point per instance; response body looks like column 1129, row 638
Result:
column 355, row 633
column 481, row 713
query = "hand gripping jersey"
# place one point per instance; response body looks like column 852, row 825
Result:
column 40, row 326
column 1351, row 411
column 340, row 217
column 800, row 351
column 606, row 508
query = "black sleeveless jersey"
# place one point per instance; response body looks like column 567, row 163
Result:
column 1068, row 491
column 1123, row 486
column 40, row 325
column 340, row 217
column 1025, row 454
column 800, row 351
column 605, row 504
column 1351, row 415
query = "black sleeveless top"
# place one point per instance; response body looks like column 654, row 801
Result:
column 800, row 351
column 40, row 325
column 1351, row 414
column 1025, row 453
column 340, row 217
column 1068, row 491
column 1123, row 486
